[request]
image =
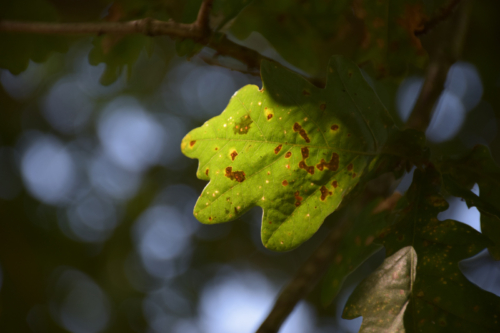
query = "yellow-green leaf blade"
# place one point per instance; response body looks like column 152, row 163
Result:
column 291, row 148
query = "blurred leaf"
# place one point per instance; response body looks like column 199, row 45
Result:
column 116, row 52
column 420, row 287
column 306, row 33
column 478, row 167
column 291, row 148
column 355, row 247
column 223, row 11
column 17, row 48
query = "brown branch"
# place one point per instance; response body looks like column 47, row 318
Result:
column 445, row 13
column 199, row 31
column 447, row 50
column 304, row 280
column 203, row 19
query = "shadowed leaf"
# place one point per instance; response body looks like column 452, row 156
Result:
column 305, row 33
column 478, row 167
column 434, row 296
column 291, row 148
column 18, row 49
column 355, row 247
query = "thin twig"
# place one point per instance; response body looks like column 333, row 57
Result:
column 447, row 51
column 442, row 16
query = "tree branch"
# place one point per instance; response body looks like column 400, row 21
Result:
column 446, row 51
column 199, row 31
column 442, row 16
column 304, row 280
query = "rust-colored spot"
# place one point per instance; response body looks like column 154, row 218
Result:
column 305, row 152
column 302, row 132
column 332, row 165
column 239, row 176
column 206, row 172
column 192, row 143
column 349, row 167
column 335, row 184
column 349, row 73
column 302, row 165
column 269, row 116
column 354, row 175
column 233, row 155
column 216, row 148
column 306, row 93
column 334, row 127
column 322, row 107
column 310, row 170
column 277, row 149
column 210, row 218
column 287, row 155
column 348, row 135
column 324, row 193
column 243, row 126
column 284, row 183
column 298, row 199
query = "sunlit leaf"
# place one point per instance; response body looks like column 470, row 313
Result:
column 291, row 148
column 420, row 287
column 478, row 167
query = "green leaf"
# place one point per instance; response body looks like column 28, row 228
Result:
column 305, row 33
column 17, row 48
column 388, row 291
column 291, row 148
column 117, row 52
column 422, row 266
column 354, row 248
column 478, row 167
column 223, row 11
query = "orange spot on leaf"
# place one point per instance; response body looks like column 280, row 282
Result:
column 233, row 155
column 277, row 149
column 287, row 155
column 298, row 199
column 324, row 193
column 284, row 183
column 349, row 167
column 334, row 127
column 302, row 132
column 192, row 143
column 239, row 176
column 332, row 165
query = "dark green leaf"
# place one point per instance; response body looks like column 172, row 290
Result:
column 18, row 49
column 435, row 296
column 291, row 148
column 355, row 247
column 306, row 33
column 478, row 167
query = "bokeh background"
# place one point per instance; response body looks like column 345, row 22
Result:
column 96, row 199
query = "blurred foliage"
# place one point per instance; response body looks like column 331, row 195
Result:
column 53, row 279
